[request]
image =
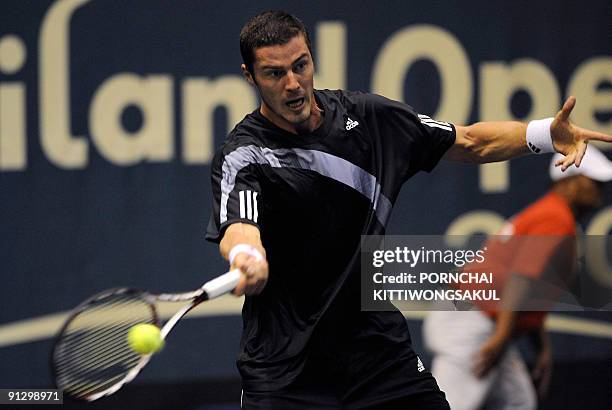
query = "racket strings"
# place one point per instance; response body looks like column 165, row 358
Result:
column 92, row 354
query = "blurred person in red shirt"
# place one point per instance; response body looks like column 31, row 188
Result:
column 531, row 259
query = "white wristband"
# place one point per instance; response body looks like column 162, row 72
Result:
column 244, row 248
column 539, row 139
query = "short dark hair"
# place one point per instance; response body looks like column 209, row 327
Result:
column 270, row 28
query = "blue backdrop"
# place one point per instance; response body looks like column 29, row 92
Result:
column 109, row 113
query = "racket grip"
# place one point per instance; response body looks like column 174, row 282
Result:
column 222, row 284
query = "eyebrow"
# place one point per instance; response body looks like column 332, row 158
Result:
column 274, row 67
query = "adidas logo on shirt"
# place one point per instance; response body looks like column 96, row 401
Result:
column 350, row 124
column 420, row 366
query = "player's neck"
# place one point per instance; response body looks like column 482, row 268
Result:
column 313, row 122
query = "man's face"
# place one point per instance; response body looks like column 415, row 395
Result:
column 283, row 74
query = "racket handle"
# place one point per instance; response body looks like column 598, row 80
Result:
column 222, row 284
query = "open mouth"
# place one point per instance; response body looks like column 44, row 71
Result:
column 295, row 104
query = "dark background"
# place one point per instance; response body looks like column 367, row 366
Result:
column 68, row 233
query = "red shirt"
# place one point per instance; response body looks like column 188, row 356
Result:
column 539, row 239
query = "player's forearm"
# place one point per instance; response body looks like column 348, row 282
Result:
column 240, row 233
column 489, row 142
column 241, row 246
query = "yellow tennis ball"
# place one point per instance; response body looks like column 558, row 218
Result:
column 145, row 338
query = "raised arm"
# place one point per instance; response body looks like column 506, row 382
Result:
column 488, row 142
column 241, row 246
column 498, row 141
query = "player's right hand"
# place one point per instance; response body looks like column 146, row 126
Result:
column 254, row 274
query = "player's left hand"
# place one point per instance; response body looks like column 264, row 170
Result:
column 488, row 356
column 569, row 139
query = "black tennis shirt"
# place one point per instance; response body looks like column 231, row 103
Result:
column 312, row 196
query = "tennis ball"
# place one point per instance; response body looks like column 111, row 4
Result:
column 145, row 338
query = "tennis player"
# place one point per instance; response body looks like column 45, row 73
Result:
column 475, row 361
column 296, row 184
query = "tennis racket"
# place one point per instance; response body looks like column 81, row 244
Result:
column 91, row 357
